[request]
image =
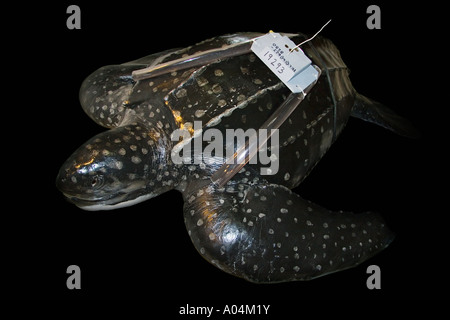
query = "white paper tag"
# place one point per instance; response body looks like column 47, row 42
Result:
column 294, row 68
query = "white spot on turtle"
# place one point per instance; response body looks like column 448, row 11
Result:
column 202, row 82
column 199, row 222
column 136, row 160
column 200, row 113
column 221, row 103
column 244, row 70
column 241, row 97
column 132, row 176
column 218, row 73
column 117, row 164
column 216, row 88
column 181, row 93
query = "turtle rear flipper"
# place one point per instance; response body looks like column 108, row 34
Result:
column 377, row 113
column 265, row 233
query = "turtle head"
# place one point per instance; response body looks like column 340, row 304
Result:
column 118, row 168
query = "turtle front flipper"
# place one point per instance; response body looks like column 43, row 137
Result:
column 265, row 233
column 369, row 110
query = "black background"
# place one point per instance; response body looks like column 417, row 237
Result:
column 144, row 251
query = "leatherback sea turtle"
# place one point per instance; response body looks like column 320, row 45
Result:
column 254, row 226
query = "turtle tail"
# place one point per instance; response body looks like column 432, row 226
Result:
column 377, row 113
column 266, row 233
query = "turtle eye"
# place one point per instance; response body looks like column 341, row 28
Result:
column 96, row 181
